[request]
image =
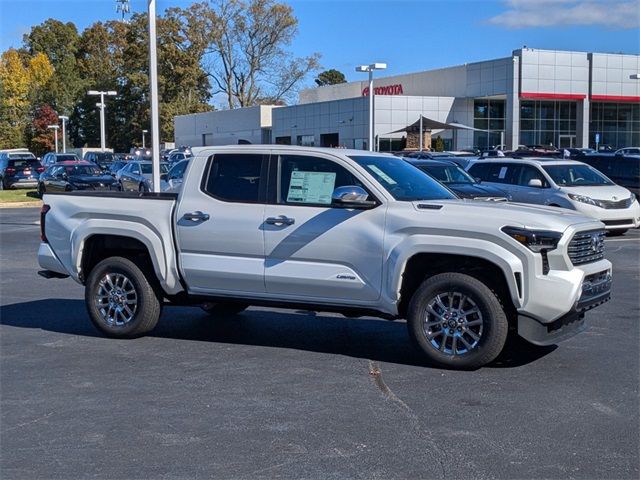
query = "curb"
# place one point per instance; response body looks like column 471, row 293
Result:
column 37, row 203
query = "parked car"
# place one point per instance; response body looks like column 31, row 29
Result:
column 52, row 158
column 102, row 159
column 428, row 155
column 579, row 153
column 137, row 176
column 178, row 156
column 19, row 169
column 623, row 170
column 563, row 183
column 458, row 181
column 173, row 179
column 627, row 151
column 356, row 232
column 66, row 177
column 115, row 167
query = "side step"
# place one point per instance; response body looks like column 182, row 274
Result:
column 50, row 274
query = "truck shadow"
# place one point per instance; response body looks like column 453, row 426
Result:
column 367, row 338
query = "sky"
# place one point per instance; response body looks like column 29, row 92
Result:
column 410, row 36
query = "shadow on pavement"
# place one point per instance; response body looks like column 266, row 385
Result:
column 366, row 338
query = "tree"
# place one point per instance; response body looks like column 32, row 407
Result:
column 330, row 77
column 439, row 144
column 246, row 56
column 42, row 138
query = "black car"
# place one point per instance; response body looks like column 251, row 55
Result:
column 623, row 170
column 19, row 169
column 102, row 159
column 456, row 179
column 65, row 177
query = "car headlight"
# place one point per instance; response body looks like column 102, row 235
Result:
column 584, row 199
column 535, row 240
column 633, row 198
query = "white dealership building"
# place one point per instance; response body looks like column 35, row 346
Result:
column 533, row 97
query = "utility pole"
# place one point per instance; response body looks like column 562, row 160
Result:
column 153, row 81
column 102, row 105
column 55, row 128
column 64, row 119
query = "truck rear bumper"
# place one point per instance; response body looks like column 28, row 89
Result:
column 48, row 260
column 595, row 290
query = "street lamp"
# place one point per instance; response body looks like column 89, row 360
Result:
column 143, row 132
column 55, row 127
column 102, row 94
column 370, row 68
column 64, row 119
column 153, row 83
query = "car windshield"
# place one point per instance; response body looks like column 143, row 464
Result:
column 576, row 175
column 86, row 170
column 147, row 168
column 402, row 180
column 447, row 173
column 22, row 156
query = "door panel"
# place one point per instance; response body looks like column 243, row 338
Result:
column 219, row 229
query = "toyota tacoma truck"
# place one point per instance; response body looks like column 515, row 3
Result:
column 346, row 231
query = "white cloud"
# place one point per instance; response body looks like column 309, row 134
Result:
column 548, row 13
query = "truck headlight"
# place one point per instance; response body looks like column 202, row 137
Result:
column 584, row 199
column 535, row 240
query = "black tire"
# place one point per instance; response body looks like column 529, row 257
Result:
column 224, row 309
column 489, row 324
column 146, row 310
column 41, row 190
column 617, row 233
column 142, row 188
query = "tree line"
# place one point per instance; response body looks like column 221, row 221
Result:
column 233, row 53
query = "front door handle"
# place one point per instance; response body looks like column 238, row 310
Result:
column 280, row 220
column 196, row 216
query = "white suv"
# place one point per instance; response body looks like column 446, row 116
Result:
column 562, row 183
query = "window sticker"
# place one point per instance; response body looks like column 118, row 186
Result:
column 311, row 187
column 503, row 173
column 382, row 175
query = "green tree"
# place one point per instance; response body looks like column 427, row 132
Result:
column 438, row 145
column 330, row 77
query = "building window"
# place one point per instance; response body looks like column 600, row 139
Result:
column 548, row 123
column 283, row 140
column 488, row 115
column 306, row 140
column 618, row 124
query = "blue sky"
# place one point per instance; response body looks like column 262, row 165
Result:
column 408, row 35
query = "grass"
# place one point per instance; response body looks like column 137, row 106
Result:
column 16, row 196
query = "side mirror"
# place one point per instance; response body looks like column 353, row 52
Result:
column 535, row 182
column 351, row 196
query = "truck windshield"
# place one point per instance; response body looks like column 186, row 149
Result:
column 403, row 181
column 576, row 175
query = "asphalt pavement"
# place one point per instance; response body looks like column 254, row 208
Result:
column 289, row 394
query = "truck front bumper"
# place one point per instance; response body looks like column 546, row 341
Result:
column 595, row 290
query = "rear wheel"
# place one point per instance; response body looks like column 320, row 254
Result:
column 142, row 188
column 41, row 190
column 457, row 321
column 223, row 309
column 120, row 300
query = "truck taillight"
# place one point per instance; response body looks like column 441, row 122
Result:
column 43, row 214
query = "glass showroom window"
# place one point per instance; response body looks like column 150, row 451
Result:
column 488, row 115
column 617, row 123
column 306, row 140
column 548, row 123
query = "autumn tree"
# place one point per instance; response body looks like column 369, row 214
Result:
column 330, row 77
column 42, row 139
column 247, row 59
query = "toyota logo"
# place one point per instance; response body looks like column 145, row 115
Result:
column 596, row 243
column 614, row 198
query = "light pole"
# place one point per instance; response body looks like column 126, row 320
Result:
column 153, row 82
column 102, row 94
column 143, row 132
column 370, row 68
column 64, row 119
column 55, row 128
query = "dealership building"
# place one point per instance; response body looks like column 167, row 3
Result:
column 533, row 97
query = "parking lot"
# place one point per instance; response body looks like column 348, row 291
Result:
column 289, row 394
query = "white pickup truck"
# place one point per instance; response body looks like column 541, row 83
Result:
column 337, row 230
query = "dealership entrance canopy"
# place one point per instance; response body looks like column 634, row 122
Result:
column 532, row 97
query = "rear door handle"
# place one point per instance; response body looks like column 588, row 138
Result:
column 280, row 220
column 196, row 216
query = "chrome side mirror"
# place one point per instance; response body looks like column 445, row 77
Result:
column 535, row 182
column 351, row 194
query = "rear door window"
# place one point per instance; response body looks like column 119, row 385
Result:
column 236, row 177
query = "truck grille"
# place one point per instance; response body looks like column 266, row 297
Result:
column 587, row 247
column 610, row 204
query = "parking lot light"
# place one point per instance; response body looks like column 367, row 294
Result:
column 370, row 68
column 64, row 119
column 143, row 133
column 102, row 105
column 55, row 128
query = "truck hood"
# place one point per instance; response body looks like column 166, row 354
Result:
column 494, row 215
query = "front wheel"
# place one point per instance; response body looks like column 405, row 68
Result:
column 120, row 300
column 457, row 321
